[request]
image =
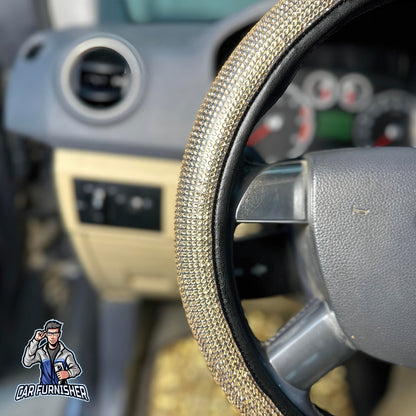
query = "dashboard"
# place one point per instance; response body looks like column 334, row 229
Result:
column 56, row 88
column 116, row 103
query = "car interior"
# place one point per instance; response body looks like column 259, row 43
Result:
column 216, row 199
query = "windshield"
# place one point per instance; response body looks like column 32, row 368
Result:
column 141, row 11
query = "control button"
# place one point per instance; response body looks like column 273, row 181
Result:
column 98, row 199
column 259, row 270
column 112, row 190
column 121, row 199
column 136, row 203
column 148, row 203
column 81, row 205
column 118, row 204
column 88, row 188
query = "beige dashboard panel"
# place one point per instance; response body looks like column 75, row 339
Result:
column 121, row 262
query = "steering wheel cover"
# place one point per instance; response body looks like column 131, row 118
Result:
column 265, row 59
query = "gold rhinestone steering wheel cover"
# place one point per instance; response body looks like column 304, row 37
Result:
column 212, row 135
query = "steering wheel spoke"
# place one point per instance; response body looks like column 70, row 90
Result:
column 276, row 195
column 310, row 345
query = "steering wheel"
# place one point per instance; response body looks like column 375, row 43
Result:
column 353, row 212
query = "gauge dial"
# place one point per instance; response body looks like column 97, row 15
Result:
column 356, row 92
column 286, row 130
column 389, row 121
column 323, row 89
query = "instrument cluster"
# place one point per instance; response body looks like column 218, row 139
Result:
column 332, row 108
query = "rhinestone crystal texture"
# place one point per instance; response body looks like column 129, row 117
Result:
column 218, row 119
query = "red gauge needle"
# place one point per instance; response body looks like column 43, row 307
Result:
column 271, row 124
column 382, row 141
column 325, row 94
column 350, row 97
column 259, row 134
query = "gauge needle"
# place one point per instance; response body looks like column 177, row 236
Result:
column 325, row 94
column 392, row 132
column 258, row 135
column 350, row 97
column 271, row 124
column 382, row 141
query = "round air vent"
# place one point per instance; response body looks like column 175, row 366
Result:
column 100, row 79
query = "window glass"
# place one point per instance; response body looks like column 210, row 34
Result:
column 141, row 11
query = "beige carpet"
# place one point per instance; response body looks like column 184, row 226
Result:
column 182, row 385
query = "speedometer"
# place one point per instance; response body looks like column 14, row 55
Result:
column 389, row 121
column 286, row 130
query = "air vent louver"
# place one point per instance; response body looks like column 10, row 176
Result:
column 101, row 78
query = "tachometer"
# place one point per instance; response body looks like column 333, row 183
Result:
column 389, row 121
column 323, row 89
column 356, row 92
column 286, row 130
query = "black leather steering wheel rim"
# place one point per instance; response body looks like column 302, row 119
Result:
column 205, row 255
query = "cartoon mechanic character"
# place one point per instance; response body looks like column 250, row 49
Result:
column 57, row 363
